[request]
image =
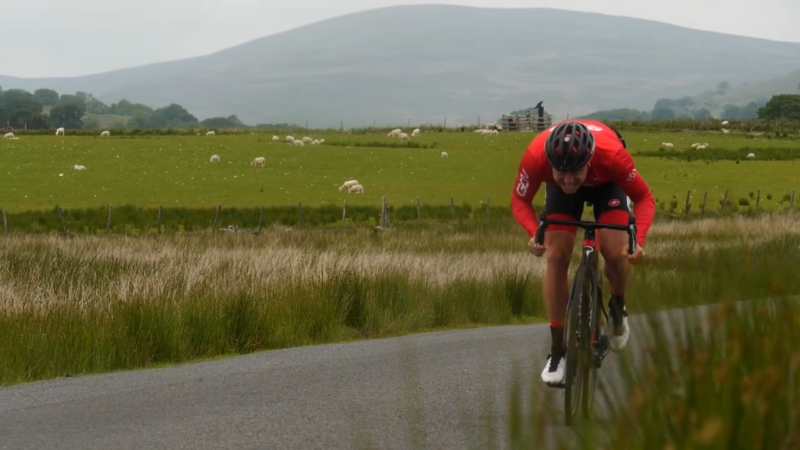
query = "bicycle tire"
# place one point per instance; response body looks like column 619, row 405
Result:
column 579, row 358
column 594, row 297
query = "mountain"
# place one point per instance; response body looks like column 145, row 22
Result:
column 761, row 92
column 433, row 61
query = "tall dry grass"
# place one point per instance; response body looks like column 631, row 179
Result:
column 88, row 304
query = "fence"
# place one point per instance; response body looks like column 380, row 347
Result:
column 134, row 219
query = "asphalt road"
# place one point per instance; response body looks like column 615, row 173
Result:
column 436, row 390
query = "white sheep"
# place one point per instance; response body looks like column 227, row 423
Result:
column 444, row 154
column 322, row 141
column 725, row 122
column 724, row 131
column 395, row 132
column 9, row 136
column 79, row 167
column 702, row 147
column 751, row 155
column 298, row 143
column 210, row 133
column 357, row 189
column 307, row 140
column 415, row 133
column 215, row 158
column 695, row 144
column 275, row 138
column 60, row 132
column 315, row 142
column 667, row 144
column 105, row 133
column 403, row 137
column 258, row 161
column 347, row 185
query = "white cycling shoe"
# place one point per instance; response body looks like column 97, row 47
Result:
column 554, row 370
column 619, row 342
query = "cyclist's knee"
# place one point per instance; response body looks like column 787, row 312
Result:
column 559, row 248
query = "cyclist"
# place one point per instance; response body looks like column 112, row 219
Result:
column 582, row 161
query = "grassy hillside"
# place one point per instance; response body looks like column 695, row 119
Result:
column 746, row 93
column 431, row 61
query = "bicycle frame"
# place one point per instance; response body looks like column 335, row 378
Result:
column 585, row 342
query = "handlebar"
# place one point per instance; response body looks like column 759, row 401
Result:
column 630, row 228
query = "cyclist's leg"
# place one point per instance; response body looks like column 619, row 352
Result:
column 559, row 240
column 613, row 206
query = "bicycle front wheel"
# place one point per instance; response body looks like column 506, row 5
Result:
column 578, row 339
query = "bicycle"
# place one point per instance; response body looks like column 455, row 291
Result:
column 588, row 298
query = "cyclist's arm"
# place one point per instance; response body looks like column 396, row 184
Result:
column 638, row 191
column 525, row 187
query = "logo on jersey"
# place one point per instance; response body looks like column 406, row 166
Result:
column 613, row 202
column 524, row 182
column 630, row 176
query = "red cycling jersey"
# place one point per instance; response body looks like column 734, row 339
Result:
column 611, row 162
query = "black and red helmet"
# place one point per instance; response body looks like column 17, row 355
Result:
column 569, row 147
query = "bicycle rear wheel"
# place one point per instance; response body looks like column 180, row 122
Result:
column 578, row 337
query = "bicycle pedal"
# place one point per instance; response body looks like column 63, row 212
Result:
column 601, row 350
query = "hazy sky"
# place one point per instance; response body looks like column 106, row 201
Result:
column 47, row 38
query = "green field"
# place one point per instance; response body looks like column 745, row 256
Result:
column 176, row 172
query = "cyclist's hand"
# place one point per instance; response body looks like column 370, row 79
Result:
column 537, row 250
column 637, row 256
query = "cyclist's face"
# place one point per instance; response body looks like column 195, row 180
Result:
column 571, row 181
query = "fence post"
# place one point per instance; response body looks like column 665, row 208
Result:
column 261, row 220
column 5, row 219
column 452, row 210
column 344, row 212
column 688, row 205
column 703, row 209
column 791, row 205
column 419, row 216
column 63, row 221
column 383, row 212
column 758, row 199
column 108, row 222
column 488, row 205
column 724, row 201
column 216, row 217
column 300, row 213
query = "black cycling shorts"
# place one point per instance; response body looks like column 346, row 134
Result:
column 606, row 198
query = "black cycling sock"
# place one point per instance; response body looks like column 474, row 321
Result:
column 616, row 306
column 557, row 339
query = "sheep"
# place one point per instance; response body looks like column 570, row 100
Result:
column 289, row 139
column 667, row 144
column 105, row 133
column 298, row 143
column 215, row 158
column 403, row 137
column 79, row 167
column 210, row 133
column 695, row 144
column 725, row 122
column 275, row 138
column 444, row 154
column 724, row 131
column 395, row 132
column 357, row 189
column 751, row 155
column 307, row 140
column 322, row 141
column 347, row 185
column 316, row 142
column 702, row 147
column 258, row 161
column 415, row 133
column 60, row 132
column 9, row 136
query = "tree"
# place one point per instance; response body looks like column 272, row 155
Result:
column 173, row 116
column 128, row 108
column 749, row 111
column 19, row 109
column 782, row 106
column 663, row 114
column 67, row 114
column 701, row 114
column 730, row 112
column 724, row 86
column 46, row 97
column 664, row 103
